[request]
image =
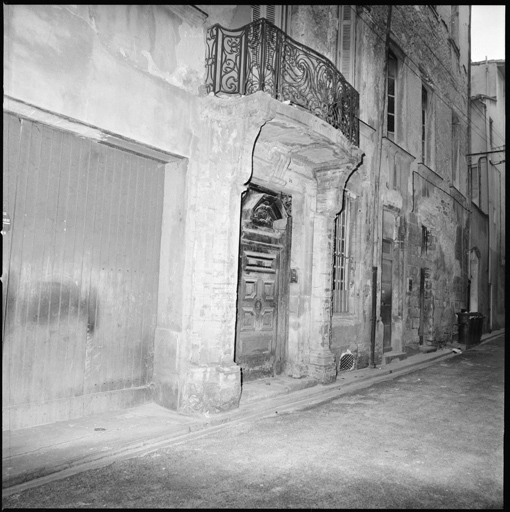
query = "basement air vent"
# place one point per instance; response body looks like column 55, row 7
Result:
column 346, row 361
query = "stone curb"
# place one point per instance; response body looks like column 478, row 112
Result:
column 488, row 337
column 300, row 399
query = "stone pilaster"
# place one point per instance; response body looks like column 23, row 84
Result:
column 330, row 184
column 220, row 168
column 322, row 361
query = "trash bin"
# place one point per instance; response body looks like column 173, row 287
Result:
column 475, row 327
column 470, row 327
column 463, row 324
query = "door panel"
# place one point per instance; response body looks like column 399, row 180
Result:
column 258, row 309
column 262, row 287
column 386, row 293
column 83, row 267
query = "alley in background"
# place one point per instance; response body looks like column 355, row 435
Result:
column 429, row 439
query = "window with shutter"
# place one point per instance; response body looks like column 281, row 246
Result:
column 424, row 125
column 276, row 14
column 345, row 61
column 455, row 150
column 255, row 12
column 392, row 95
column 270, row 12
column 343, row 255
column 475, row 184
column 484, row 184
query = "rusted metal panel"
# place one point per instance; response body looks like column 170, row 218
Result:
column 82, row 258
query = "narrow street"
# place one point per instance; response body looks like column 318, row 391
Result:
column 430, row 439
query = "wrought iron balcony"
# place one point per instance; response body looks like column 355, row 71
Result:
column 261, row 57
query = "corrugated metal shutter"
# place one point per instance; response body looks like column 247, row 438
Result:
column 82, row 264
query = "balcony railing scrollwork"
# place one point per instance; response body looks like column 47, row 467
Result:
column 261, row 57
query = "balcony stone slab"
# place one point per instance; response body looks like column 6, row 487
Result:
column 306, row 139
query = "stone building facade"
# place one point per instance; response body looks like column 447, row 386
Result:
column 487, row 192
column 208, row 224
column 412, row 221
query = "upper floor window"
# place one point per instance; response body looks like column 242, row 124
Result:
column 475, row 184
column 392, row 95
column 424, row 105
column 479, row 184
column 345, row 59
column 491, row 133
column 394, row 170
column 455, row 149
column 425, row 236
column 426, row 126
column 276, row 14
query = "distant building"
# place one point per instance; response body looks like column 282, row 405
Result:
column 196, row 196
column 487, row 191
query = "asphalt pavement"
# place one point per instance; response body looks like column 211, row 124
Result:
column 138, row 435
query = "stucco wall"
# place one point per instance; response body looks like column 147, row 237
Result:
column 316, row 26
column 228, row 16
column 132, row 70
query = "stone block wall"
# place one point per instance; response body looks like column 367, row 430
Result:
column 444, row 287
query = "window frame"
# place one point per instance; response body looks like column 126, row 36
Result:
column 425, row 238
column 474, row 178
column 344, row 256
column 479, row 184
column 424, row 124
column 346, row 42
column 276, row 14
column 427, row 126
column 455, row 150
column 392, row 94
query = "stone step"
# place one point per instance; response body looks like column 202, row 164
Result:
column 388, row 358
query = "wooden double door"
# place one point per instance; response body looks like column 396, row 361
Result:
column 263, row 285
column 387, row 277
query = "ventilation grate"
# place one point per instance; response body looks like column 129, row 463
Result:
column 346, row 361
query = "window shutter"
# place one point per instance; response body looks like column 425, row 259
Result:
column 255, row 11
column 475, row 184
column 455, row 149
column 270, row 13
column 346, row 43
column 273, row 13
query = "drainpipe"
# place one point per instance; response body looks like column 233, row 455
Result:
column 489, row 257
column 375, row 219
column 486, row 77
column 468, row 163
column 374, row 312
column 498, row 245
column 489, row 239
column 487, row 149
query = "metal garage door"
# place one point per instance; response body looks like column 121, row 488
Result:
column 80, row 274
